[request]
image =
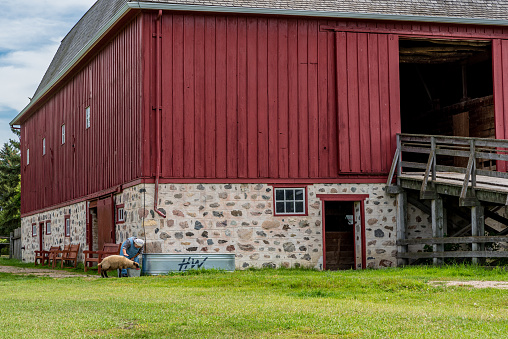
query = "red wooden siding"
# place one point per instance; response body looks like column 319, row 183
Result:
column 247, row 97
column 102, row 156
column 242, row 98
column 500, row 78
column 368, row 101
column 257, row 98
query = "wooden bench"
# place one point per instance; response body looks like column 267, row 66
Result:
column 69, row 253
column 44, row 256
column 97, row 256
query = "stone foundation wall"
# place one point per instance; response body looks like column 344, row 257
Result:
column 238, row 218
column 57, row 237
column 419, row 225
column 233, row 218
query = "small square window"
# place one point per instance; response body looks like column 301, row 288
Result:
column 290, row 201
column 48, row 227
column 34, row 230
column 120, row 214
column 87, row 114
column 63, row 134
column 67, row 225
column 43, row 146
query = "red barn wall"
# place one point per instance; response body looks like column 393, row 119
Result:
column 94, row 159
column 256, row 97
column 252, row 97
column 242, row 98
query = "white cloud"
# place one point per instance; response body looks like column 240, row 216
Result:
column 21, row 72
column 30, row 33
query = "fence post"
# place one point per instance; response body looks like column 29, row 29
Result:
column 11, row 244
column 433, row 149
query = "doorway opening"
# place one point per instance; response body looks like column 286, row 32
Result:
column 339, row 235
column 41, row 236
column 93, row 228
column 446, row 88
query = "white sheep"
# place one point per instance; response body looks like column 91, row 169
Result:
column 115, row 262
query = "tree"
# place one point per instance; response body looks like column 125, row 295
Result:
column 10, row 185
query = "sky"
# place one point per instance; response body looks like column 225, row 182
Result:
column 30, row 33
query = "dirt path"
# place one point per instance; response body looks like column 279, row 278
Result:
column 503, row 285
column 43, row 272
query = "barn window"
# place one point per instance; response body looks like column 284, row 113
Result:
column 289, row 201
column 120, row 214
column 63, row 134
column 67, row 224
column 43, row 146
column 28, row 156
column 34, row 230
column 48, row 227
column 87, row 114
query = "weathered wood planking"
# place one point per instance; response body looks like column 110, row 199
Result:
column 242, row 98
column 104, row 155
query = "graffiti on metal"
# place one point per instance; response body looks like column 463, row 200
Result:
column 193, row 263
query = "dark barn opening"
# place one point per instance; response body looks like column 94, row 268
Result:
column 446, row 88
column 339, row 235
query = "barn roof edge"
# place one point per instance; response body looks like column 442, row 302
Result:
column 127, row 6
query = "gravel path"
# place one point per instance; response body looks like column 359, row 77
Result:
column 472, row 283
column 43, row 272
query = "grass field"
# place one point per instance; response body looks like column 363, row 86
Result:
column 392, row 303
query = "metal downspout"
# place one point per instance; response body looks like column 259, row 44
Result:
column 158, row 109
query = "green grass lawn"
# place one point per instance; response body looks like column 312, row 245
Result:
column 391, row 303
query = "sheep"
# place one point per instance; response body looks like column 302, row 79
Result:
column 115, row 262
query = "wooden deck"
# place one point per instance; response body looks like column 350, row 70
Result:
column 436, row 170
column 487, row 189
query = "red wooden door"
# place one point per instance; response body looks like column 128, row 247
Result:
column 41, row 236
column 368, row 101
column 500, row 79
column 106, row 226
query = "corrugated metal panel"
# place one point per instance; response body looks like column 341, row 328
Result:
column 97, row 158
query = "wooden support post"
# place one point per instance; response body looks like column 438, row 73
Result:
column 437, row 226
column 477, row 228
column 401, row 224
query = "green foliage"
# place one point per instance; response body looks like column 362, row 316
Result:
column 10, row 185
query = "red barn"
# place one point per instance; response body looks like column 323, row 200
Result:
column 262, row 129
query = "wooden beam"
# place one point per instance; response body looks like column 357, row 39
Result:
column 455, row 240
column 477, row 228
column 455, row 254
column 496, row 217
column 437, row 216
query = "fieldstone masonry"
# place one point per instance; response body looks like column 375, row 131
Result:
column 238, row 218
column 57, row 237
column 233, row 218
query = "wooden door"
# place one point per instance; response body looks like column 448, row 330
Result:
column 106, row 226
column 368, row 101
column 41, row 236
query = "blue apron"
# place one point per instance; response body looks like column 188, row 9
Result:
column 131, row 251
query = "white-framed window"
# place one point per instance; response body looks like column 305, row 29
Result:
column 67, row 226
column 28, row 156
column 34, row 230
column 63, row 134
column 120, row 215
column 48, row 227
column 290, row 201
column 43, row 146
column 87, row 114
